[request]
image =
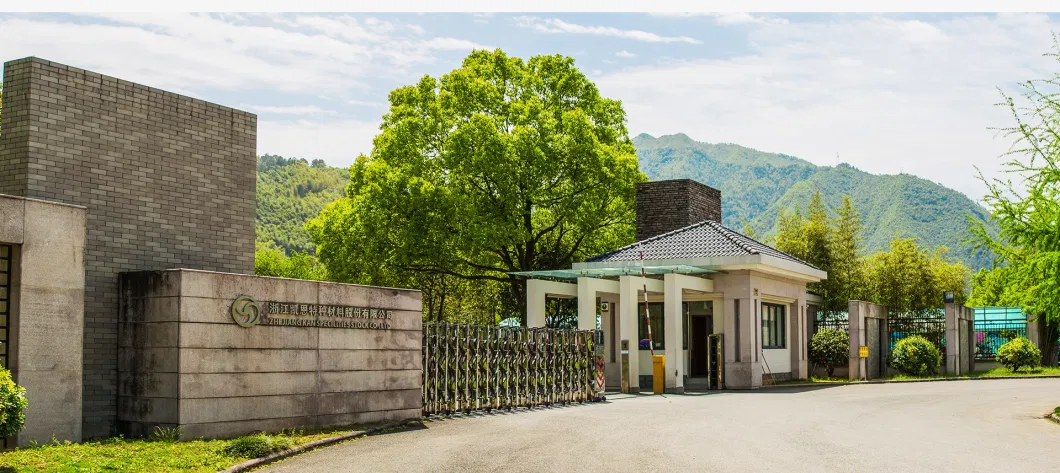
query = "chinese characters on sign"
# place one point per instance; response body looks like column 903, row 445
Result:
column 247, row 312
column 318, row 315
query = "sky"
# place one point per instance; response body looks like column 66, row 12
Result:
column 886, row 93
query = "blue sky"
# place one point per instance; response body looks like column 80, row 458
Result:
column 886, row 93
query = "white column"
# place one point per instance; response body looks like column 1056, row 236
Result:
column 587, row 307
column 673, row 325
column 535, row 303
column 537, row 290
column 628, row 286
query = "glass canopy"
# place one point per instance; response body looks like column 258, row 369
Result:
column 612, row 272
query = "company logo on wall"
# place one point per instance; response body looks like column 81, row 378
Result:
column 247, row 312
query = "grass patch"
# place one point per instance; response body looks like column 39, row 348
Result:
column 158, row 455
column 826, row 379
column 815, row 380
column 1031, row 372
column 991, row 373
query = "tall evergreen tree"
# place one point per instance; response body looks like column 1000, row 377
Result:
column 847, row 266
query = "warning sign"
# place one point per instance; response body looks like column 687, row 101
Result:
column 863, row 351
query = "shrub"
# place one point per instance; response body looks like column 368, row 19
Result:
column 12, row 405
column 1017, row 353
column 256, row 446
column 916, row 356
column 830, row 348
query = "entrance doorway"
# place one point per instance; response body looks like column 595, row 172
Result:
column 699, row 349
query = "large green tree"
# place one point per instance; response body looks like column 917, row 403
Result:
column 501, row 165
column 1027, row 212
column 909, row 279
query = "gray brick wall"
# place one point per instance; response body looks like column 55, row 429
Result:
column 168, row 180
column 664, row 206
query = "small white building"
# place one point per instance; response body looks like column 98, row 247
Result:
column 726, row 310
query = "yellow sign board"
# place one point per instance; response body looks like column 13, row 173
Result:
column 863, row 351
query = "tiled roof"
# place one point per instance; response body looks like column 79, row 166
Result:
column 702, row 240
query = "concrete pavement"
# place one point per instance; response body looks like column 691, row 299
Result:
column 955, row 426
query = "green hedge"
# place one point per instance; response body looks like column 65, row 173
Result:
column 1017, row 353
column 916, row 356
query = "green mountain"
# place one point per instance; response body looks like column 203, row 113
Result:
column 291, row 191
column 755, row 186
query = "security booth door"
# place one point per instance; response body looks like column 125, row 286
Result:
column 698, row 348
column 700, row 324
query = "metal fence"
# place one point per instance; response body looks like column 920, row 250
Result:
column 469, row 368
column 994, row 326
column 931, row 325
column 838, row 321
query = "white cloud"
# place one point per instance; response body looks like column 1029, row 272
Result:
column 555, row 25
column 453, row 44
column 886, row 94
column 291, row 110
column 624, row 53
column 728, row 18
column 367, row 103
column 745, row 18
column 194, row 52
column 338, row 142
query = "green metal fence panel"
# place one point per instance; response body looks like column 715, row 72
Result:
column 474, row 368
column 930, row 325
column 995, row 326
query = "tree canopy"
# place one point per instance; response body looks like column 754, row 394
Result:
column 830, row 244
column 1027, row 213
column 501, row 165
column 907, row 278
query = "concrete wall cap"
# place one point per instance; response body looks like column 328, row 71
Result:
column 43, row 201
column 330, row 283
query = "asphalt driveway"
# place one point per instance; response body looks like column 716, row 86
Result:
column 955, row 426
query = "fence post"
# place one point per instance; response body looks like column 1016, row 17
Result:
column 856, row 330
column 958, row 360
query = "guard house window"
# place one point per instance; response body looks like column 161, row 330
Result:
column 774, row 330
column 656, row 325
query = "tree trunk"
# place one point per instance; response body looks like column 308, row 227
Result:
column 1048, row 335
column 519, row 293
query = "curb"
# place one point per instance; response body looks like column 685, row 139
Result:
column 274, row 457
column 895, row 381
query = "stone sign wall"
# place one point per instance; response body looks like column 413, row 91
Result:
column 222, row 354
column 168, row 181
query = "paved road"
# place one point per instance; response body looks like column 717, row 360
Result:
column 958, row 426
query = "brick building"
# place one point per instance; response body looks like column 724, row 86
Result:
column 168, row 182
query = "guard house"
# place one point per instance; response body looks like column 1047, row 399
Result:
column 727, row 311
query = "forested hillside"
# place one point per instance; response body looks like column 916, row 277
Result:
column 290, row 191
column 755, row 186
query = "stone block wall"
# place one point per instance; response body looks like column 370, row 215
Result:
column 47, row 244
column 185, row 361
column 664, row 206
column 169, row 181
